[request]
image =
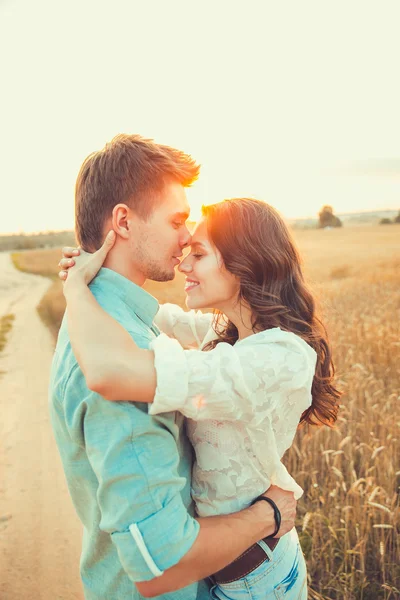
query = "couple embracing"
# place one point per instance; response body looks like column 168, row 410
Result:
column 172, row 424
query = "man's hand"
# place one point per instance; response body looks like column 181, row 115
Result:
column 286, row 504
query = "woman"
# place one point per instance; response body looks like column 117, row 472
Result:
column 262, row 368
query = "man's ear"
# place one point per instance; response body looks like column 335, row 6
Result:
column 121, row 221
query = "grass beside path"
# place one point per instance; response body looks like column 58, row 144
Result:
column 6, row 323
column 51, row 308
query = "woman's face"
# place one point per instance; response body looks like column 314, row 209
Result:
column 208, row 283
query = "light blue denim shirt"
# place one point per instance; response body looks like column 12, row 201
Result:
column 128, row 473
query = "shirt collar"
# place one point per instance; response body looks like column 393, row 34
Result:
column 141, row 302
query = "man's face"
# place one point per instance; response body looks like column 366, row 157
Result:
column 159, row 241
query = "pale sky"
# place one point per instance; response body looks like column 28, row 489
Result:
column 296, row 103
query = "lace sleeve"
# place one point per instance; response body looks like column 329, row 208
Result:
column 242, row 382
column 188, row 327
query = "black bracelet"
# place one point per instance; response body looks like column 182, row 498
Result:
column 277, row 513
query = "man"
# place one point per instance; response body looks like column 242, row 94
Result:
column 129, row 473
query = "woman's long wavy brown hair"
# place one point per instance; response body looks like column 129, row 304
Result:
column 257, row 247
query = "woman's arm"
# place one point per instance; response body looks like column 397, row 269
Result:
column 230, row 382
column 241, row 382
column 113, row 365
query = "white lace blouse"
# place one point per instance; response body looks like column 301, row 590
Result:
column 243, row 404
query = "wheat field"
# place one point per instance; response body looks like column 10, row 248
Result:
column 349, row 515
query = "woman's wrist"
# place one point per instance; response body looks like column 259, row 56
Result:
column 277, row 513
column 264, row 513
column 74, row 286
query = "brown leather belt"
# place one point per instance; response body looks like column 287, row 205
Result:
column 246, row 563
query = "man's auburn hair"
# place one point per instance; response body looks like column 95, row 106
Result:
column 129, row 170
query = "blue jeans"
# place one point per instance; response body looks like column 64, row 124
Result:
column 284, row 576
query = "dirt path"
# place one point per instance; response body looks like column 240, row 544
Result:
column 39, row 531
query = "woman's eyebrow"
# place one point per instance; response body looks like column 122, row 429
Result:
column 196, row 244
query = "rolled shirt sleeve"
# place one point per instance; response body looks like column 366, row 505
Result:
column 240, row 382
column 156, row 543
column 135, row 460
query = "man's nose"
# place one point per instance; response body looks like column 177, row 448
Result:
column 186, row 239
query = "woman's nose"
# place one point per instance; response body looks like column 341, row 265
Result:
column 185, row 267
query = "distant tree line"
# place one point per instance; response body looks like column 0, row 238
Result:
column 48, row 239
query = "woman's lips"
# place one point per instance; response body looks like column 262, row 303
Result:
column 190, row 285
